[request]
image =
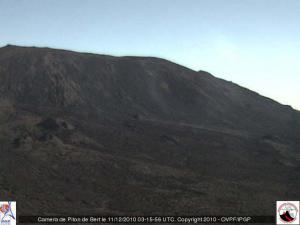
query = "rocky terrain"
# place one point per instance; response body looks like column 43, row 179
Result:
column 94, row 134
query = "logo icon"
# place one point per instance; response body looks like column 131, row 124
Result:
column 287, row 212
column 8, row 213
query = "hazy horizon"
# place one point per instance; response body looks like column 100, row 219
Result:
column 252, row 43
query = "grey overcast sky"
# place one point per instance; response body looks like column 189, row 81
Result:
column 255, row 43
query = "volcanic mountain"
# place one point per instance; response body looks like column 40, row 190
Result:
column 89, row 134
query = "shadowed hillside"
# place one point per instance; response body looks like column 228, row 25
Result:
column 86, row 133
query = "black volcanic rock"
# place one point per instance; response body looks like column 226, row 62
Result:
column 86, row 133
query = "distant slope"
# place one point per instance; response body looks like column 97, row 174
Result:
column 150, row 87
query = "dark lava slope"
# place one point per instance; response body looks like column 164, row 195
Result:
column 94, row 134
